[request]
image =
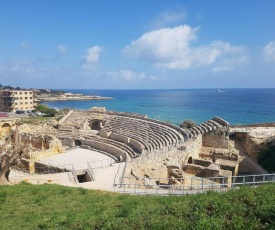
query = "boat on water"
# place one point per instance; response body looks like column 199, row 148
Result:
column 221, row 90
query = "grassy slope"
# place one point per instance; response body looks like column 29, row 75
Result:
column 56, row 207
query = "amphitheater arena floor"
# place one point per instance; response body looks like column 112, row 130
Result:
column 104, row 177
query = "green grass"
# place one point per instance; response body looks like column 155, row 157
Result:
column 39, row 119
column 55, row 207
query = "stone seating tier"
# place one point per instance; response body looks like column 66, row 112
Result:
column 139, row 132
column 207, row 127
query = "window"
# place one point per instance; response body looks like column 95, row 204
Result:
column 26, row 103
column 21, row 103
column 21, row 98
column 26, row 92
column 26, row 98
column 16, row 103
column 30, row 92
column 30, row 102
column 20, row 93
column 30, row 97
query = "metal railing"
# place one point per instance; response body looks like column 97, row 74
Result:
column 179, row 186
column 91, row 171
column 74, row 174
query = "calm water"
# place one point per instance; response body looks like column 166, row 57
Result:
column 241, row 106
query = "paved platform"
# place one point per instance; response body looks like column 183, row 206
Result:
column 105, row 172
column 75, row 156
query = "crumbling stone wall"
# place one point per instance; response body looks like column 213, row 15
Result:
column 216, row 139
column 252, row 145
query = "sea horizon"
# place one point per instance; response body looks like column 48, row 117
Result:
column 236, row 105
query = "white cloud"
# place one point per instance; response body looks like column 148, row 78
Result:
column 222, row 69
column 172, row 48
column 92, row 56
column 19, row 68
column 169, row 17
column 153, row 77
column 127, row 75
column 62, row 49
column 269, row 51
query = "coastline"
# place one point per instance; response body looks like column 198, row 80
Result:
column 237, row 106
column 75, row 98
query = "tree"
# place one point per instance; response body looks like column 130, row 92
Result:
column 45, row 109
column 10, row 155
column 187, row 124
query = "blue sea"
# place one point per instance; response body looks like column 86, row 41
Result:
column 237, row 106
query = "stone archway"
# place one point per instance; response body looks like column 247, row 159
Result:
column 96, row 124
column 5, row 129
column 190, row 160
column 77, row 143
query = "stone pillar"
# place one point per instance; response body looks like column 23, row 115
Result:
column 31, row 166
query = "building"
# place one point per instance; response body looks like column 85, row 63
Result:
column 13, row 100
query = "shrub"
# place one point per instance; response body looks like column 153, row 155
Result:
column 187, row 124
column 45, row 109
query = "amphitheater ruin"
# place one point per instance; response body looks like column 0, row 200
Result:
column 139, row 152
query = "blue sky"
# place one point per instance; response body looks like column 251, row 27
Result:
column 129, row 44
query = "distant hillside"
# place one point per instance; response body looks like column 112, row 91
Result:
column 50, row 92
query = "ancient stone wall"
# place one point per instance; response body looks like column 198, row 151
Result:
column 271, row 124
column 196, row 170
column 68, row 142
column 216, row 139
column 252, row 145
column 117, row 152
column 192, row 149
column 6, row 127
column 201, row 162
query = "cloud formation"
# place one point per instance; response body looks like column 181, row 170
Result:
column 169, row 18
column 127, row 75
column 172, row 48
column 222, row 69
column 269, row 51
column 92, row 56
column 62, row 49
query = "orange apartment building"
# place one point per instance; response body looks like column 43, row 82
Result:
column 13, row 100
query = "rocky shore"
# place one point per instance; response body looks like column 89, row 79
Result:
column 70, row 97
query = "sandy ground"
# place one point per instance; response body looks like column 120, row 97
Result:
column 105, row 172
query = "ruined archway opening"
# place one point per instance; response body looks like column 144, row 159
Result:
column 85, row 177
column 96, row 125
column 77, row 142
column 6, row 125
column 190, row 160
column 6, row 129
